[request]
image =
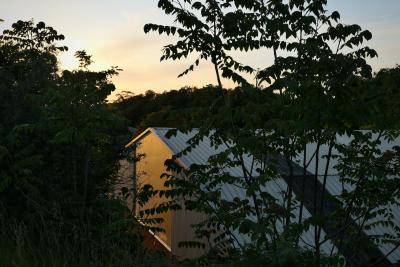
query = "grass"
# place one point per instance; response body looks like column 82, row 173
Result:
column 24, row 246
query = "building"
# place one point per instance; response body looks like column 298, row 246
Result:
column 156, row 148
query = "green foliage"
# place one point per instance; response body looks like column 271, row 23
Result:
column 383, row 98
column 285, row 255
column 317, row 90
column 42, row 244
column 25, row 35
column 84, row 59
column 60, row 146
column 168, row 109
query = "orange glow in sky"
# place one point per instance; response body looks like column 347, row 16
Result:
column 112, row 31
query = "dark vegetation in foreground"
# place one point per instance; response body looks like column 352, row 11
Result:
column 60, row 145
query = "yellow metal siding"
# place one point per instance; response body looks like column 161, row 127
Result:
column 182, row 231
column 148, row 171
column 177, row 224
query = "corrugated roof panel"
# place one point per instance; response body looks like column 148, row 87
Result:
column 336, row 187
column 201, row 153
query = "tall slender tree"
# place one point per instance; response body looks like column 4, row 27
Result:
column 314, row 78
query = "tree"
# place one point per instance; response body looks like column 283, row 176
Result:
column 383, row 96
column 179, row 107
column 59, row 140
column 319, row 65
column 28, row 67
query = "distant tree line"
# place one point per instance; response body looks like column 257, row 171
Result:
column 376, row 98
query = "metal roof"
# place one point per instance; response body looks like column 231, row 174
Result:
column 201, row 153
column 335, row 187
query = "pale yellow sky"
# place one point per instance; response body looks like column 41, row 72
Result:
column 112, row 31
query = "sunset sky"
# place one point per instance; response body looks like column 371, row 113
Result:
column 112, row 31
